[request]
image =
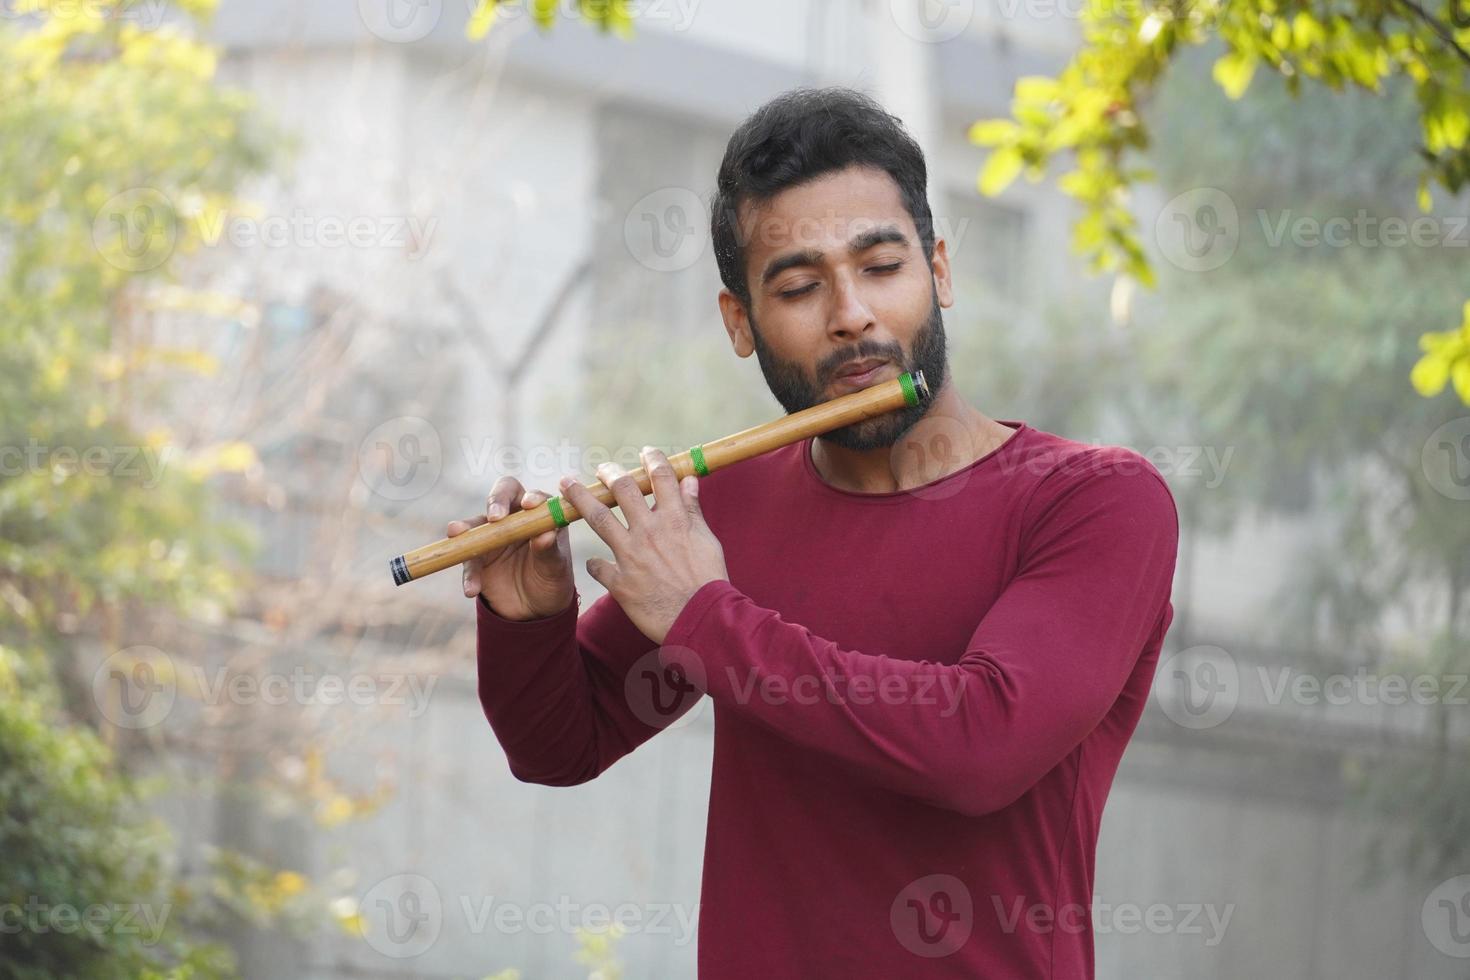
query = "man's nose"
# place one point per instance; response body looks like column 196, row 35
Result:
column 851, row 315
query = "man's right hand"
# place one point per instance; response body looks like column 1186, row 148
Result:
column 525, row 580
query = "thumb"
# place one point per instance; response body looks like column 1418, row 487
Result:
column 602, row 571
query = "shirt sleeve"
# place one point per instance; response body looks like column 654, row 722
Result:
column 1042, row 669
column 568, row 695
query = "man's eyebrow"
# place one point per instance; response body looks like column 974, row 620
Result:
column 810, row 256
column 807, row 256
column 889, row 235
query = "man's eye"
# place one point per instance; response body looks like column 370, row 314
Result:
column 800, row 291
column 893, row 267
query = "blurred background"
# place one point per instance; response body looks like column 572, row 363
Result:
column 286, row 286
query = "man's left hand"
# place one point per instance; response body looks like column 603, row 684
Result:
column 663, row 555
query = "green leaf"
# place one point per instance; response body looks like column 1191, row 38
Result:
column 1430, row 374
column 481, row 19
column 1036, row 88
column 1306, row 30
column 1281, row 33
column 989, row 132
column 1454, row 125
column 1234, row 72
column 1460, row 377
column 1000, row 170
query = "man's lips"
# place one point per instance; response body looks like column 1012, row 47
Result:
column 860, row 370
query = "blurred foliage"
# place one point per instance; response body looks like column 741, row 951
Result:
column 112, row 134
column 87, row 888
column 1093, row 110
column 118, row 154
column 1287, row 370
column 596, row 950
column 99, row 119
column 608, row 15
column 1290, row 357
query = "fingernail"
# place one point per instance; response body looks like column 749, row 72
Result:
column 564, row 482
column 497, row 510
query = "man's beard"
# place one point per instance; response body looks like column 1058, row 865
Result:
column 795, row 391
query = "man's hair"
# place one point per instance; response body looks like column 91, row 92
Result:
column 797, row 137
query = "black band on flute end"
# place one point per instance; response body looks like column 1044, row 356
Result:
column 400, row 570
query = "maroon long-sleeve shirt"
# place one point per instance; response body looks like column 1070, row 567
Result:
column 920, row 700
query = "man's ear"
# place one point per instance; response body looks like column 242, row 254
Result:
column 737, row 323
column 939, row 266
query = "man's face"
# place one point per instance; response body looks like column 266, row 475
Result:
column 837, row 275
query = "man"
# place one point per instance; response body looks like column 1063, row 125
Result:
column 927, row 637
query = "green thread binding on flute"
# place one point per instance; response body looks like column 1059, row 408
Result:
column 909, row 394
column 553, row 504
column 697, row 454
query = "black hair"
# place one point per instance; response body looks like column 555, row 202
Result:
column 801, row 135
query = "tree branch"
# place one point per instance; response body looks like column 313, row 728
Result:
column 1439, row 27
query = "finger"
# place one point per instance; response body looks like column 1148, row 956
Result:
column 625, row 489
column 666, row 497
column 457, row 528
column 470, row 578
column 543, row 545
column 603, row 572
column 596, row 514
column 689, row 487
column 470, row 567
column 506, row 490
